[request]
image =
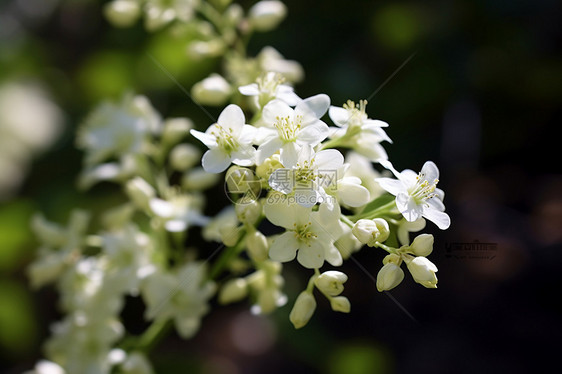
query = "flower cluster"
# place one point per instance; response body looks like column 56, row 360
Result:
column 316, row 171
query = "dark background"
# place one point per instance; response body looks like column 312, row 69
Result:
column 479, row 95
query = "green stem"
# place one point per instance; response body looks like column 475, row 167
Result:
column 386, row 208
column 153, row 335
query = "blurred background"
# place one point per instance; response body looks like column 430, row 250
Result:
column 475, row 86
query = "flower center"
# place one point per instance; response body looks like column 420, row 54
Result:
column 423, row 189
column 287, row 128
column 305, row 173
column 225, row 139
column 303, row 233
column 356, row 112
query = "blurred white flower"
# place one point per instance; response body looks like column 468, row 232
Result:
column 267, row 14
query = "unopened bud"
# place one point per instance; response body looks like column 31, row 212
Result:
column 213, row 90
column 175, row 129
column 184, row 156
column 230, row 235
column 423, row 271
column 422, row 245
column 140, row 192
column 122, row 13
column 205, row 49
column 371, row 231
column 389, row 277
column 302, row 310
column 340, row 304
column 266, row 15
column 233, row 290
column 331, row 282
column 240, row 180
column 233, row 14
column 198, row 179
column 247, row 210
column 257, row 246
column 270, row 164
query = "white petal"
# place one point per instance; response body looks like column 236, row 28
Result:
column 340, row 116
column 282, row 180
column 286, row 94
column 329, row 159
column 313, row 107
column 352, row 194
column 215, row 161
column 232, row 117
column 274, row 109
column 207, row 139
column 394, row 186
column 408, row 207
column 306, row 197
column 373, row 151
column 267, row 149
column 430, row 171
column 289, row 154
column 436, row 203
column 313, row 133
column 244, row 156
column 161, row 208
column 333, row 256
column 441, row 219
column 278, row 210
column 247, row 135
column 373, row 122
column 284, row 247
column 311, row 257
column 249, row 90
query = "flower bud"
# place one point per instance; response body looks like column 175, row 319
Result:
column 205, row 49
column 247, row 210
column 267, row 301
column 233, row 290
column 119, row 216
column 184, row 156
column 122, row 13
column 331, row 282
column 140, row 192
column 233, row 14
column 270, row 164
column 302, row 310
column 340, row 304
column 241, row 180
column 389, row 277
column 198, row 179
column 422, row 245
column 213, row 90
column 257, row 246
column 175, row 129
column 229, row 235
column 423, row 271
column 266, row 15
column 371, row 231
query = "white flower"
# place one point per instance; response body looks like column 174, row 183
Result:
column 136, row 363
column 308, row 175
column 346, row 188
column 312, row 234
column 229, row 141
column 290, row 129
column 269, row 59
column 268, row 87
column 416, row 194
column 114, row 130
column 182, row 296
column 178, row 212
column 360, row 132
